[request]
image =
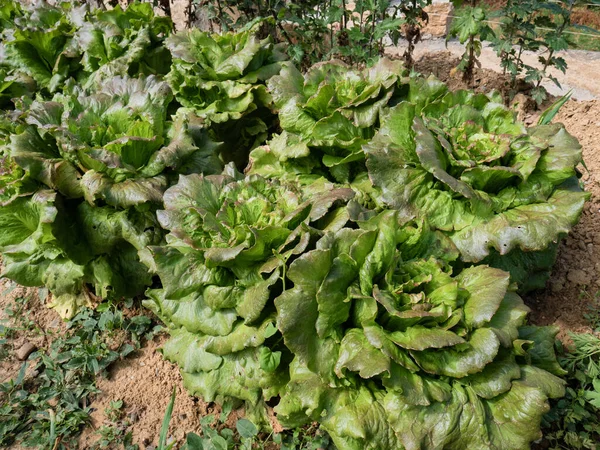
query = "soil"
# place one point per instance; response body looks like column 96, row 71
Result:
column 575, row 282
column 145, row 381
column 33, row 310
column 443, row 66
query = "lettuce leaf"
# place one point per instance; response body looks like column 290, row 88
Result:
column 333, row 110
column 80, row 253
column 230, row 239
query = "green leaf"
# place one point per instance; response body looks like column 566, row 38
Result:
column 421, row 338
column 357, row 355
column 549, row 114
column 269, row 361
column 542, row 352
column 487, row 288
column 483, row 348
column 164, row 429
column 194, row 442
column 246, row 429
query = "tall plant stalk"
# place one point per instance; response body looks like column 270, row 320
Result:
column 559, row 32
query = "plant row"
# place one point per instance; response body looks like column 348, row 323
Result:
column 359, row 32
column 344, row 244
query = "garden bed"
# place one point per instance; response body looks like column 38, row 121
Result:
column 144, row 381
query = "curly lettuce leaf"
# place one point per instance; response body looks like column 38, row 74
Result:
column 229, row 241
column 333, row 110
column 435, row 358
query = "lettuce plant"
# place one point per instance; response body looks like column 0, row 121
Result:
column 79, row 252
column 222, row 79
column 335, row 110
column 53, row 43
column 123, row 42
column 504, row 194
column 114, row 146
column 37, row 41
column 107, row 157
column 394, row 351
column 225, row 260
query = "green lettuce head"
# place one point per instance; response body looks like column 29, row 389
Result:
column 230, row 239
column 333, row 111
column 37, row 41
column 394, row 352
column 114, row 146
column 123, row 42
column 107, row 157
column 52, row 43
column 81, row 253
column 221, row 78
column 504, row 194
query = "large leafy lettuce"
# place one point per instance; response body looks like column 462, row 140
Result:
column 332, row 111
column 123, row 42
column 107, row 156
column 229, row 242
column 51, row 43
column 114, row 146
column 393, row 351
column 222, row 79
column 359, row 275
column 37, row 41
column 503, row 193
column 222, row 76
column 81, row 253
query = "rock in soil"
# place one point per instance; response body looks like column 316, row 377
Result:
column 25, row 350
column 578, row 277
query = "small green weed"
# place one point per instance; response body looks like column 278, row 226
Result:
column 246, row 436
column 593, row 314
column 21, row 317
column 574, row 421
column 115, row 434
column 47, row 404
column 215, row 435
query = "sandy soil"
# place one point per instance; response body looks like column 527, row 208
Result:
column 575, row 282
column 145, row 382
column 34, row 311
column 443, row 66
